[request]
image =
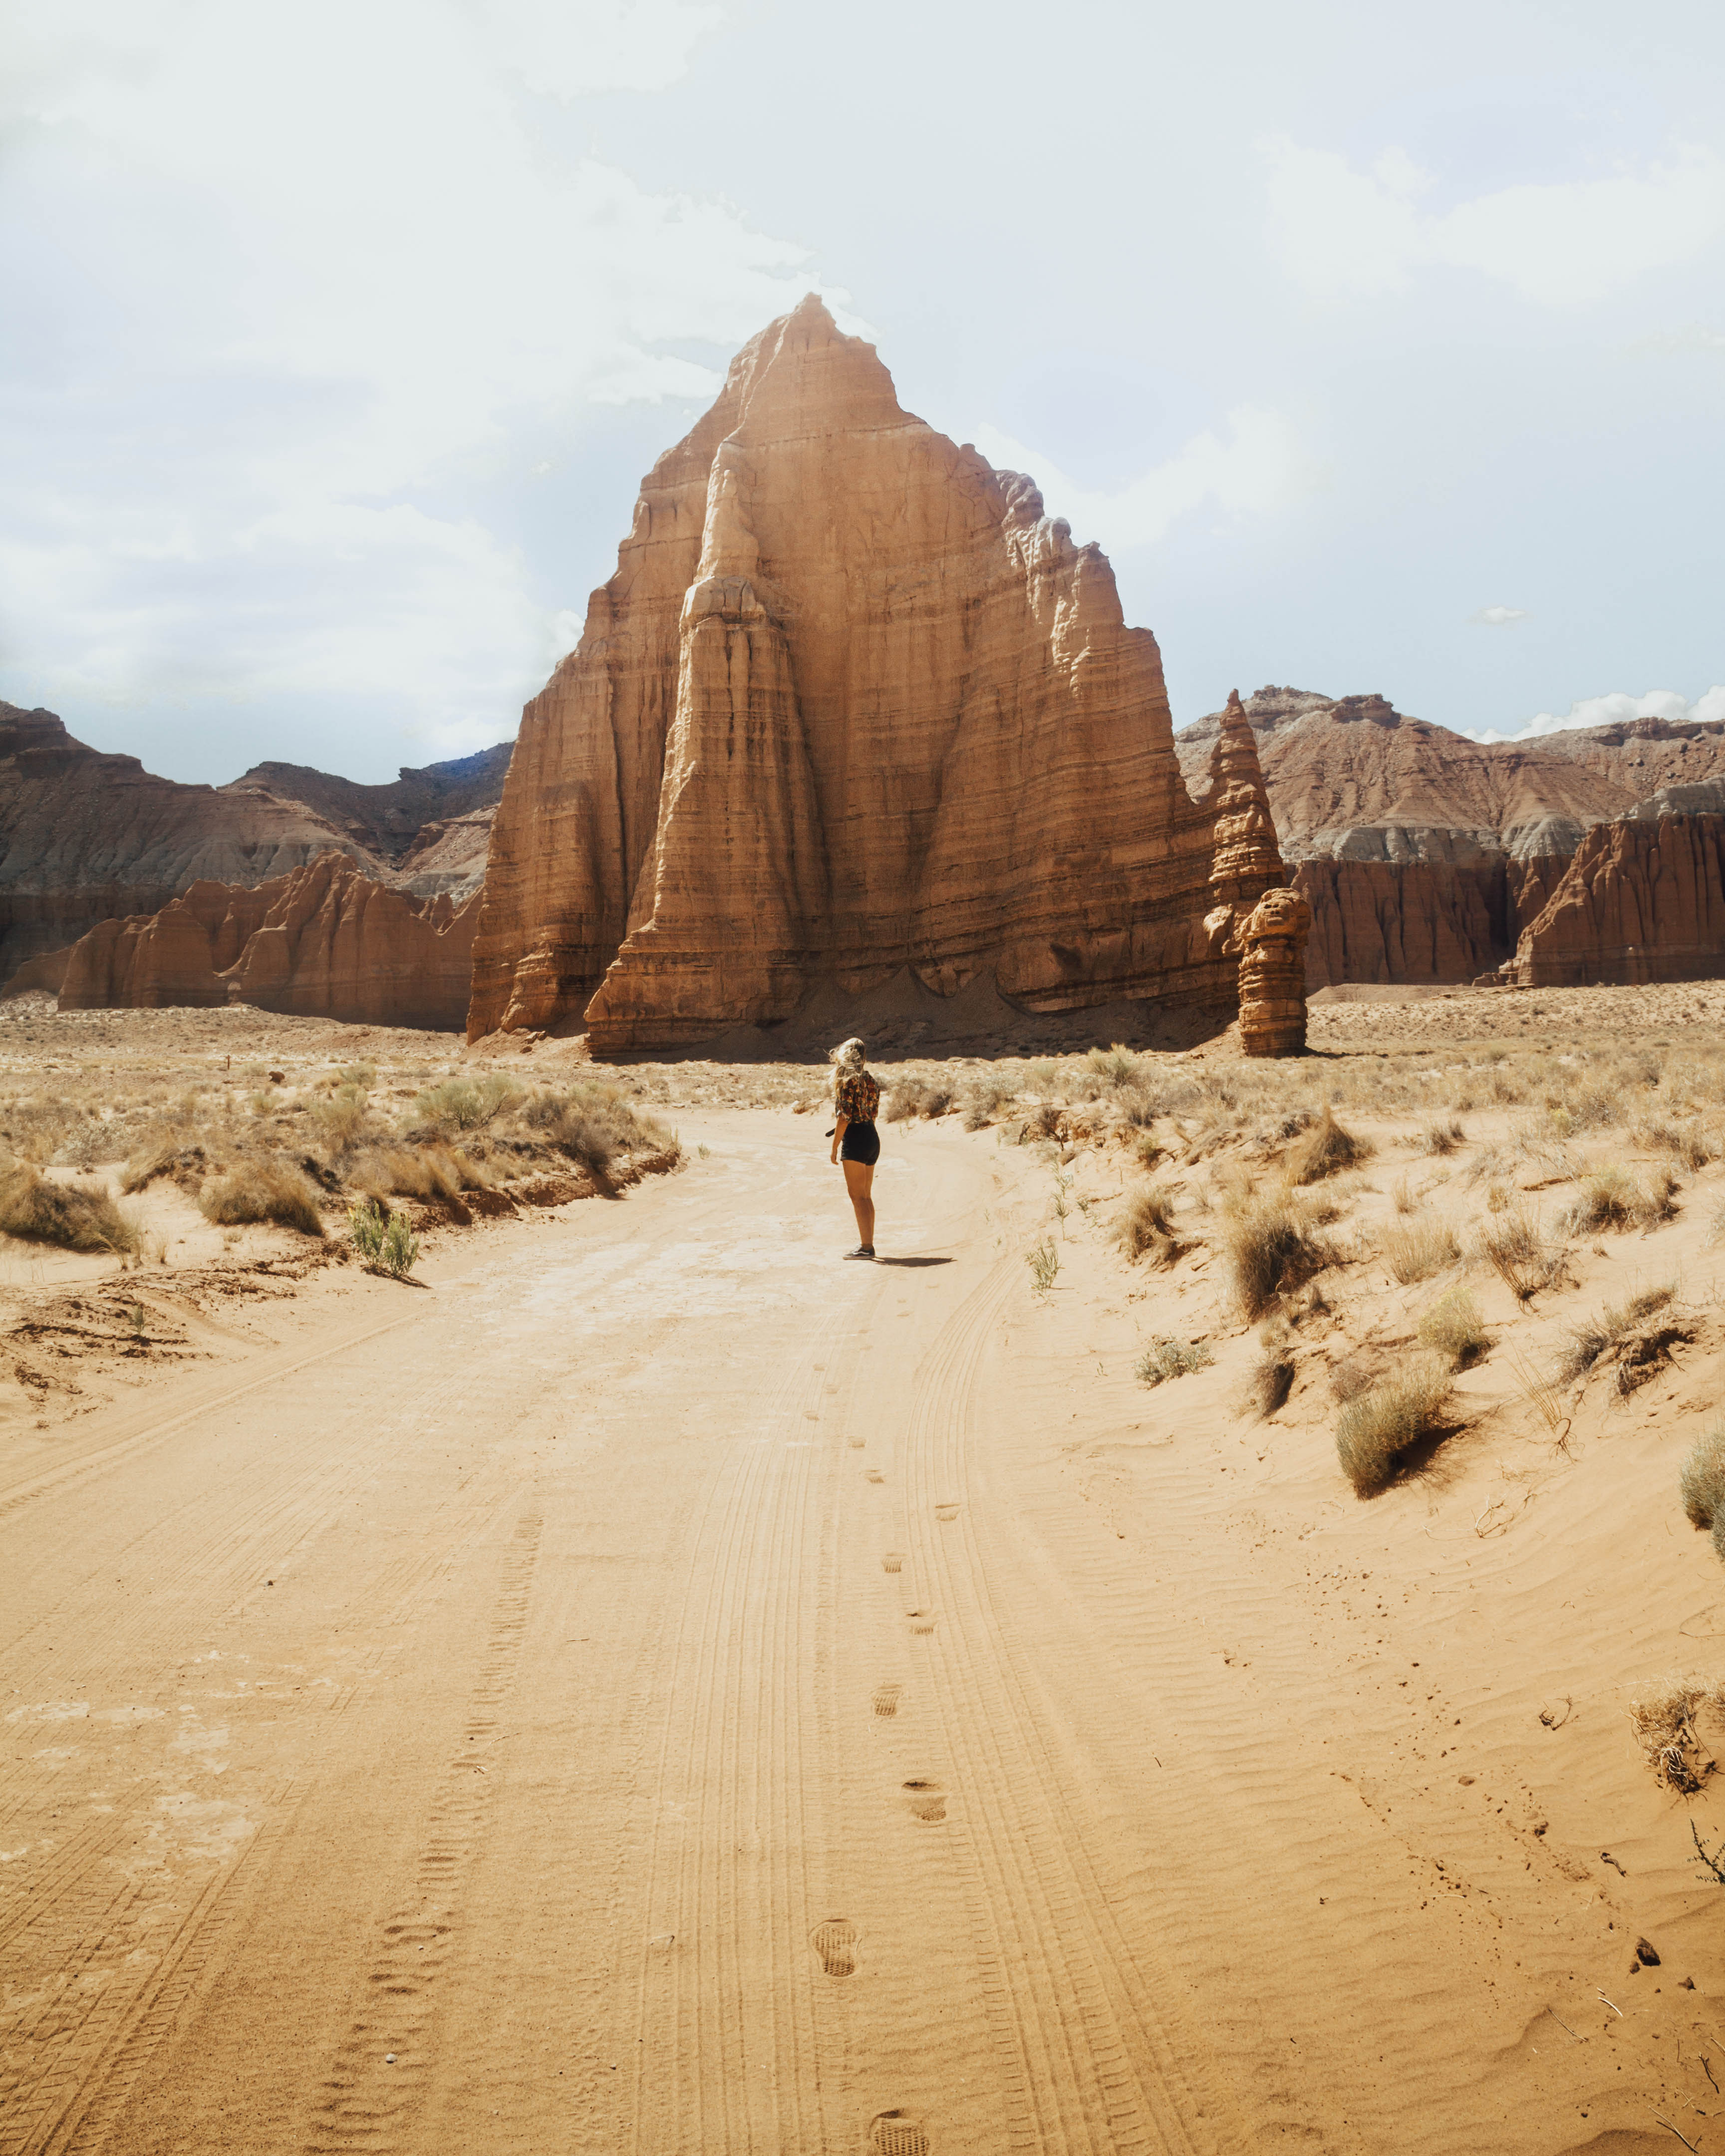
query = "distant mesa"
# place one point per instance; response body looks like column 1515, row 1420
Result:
column 851, row 711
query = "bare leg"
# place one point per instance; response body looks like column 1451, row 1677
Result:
column 859, row 1181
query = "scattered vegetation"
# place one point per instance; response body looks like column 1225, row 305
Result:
column 1443, row 1137
column 1635, row 1337
column 1271, row 1378
column 1611, row 1199
column 1380, row 1426
column 1416, row 1253
column 36, row 1210
column 985, row 1101
column 1703, row 1483
column 1324, row 1150
column 1168, row 1357
column 1519, row 1255
column 1045, row 1263
column 1147, row 1224
column 1272, row 1250
column 1664, row 1722
column 466, row 1104
column 384, row 1239
column 917, row 1096
column 263, row 1190
column 591, row 1123
column 1451, row 1328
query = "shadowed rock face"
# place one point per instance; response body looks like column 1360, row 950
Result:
column 326, row 941
column 851, row 704
column 1644, row 900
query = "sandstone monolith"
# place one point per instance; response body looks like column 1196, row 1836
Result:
column 853, row 706
column 1272, row 974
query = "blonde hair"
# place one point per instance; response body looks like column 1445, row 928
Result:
column 846, row 1060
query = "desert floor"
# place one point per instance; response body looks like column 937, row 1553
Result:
column 648, row 1685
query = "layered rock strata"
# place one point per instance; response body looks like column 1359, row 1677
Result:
column 324, row 941
column 1642, row 900
column 87, row 836
column 1272, row 974
column 852, row 705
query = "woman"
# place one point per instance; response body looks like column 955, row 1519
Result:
column 855, row 1141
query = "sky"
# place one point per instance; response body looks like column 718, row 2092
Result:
column 1381, row 349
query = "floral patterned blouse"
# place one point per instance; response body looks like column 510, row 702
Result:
column 857, row 1099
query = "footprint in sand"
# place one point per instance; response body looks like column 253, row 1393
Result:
column 945, row 1511
column 927, row 1801
column 896, row 2133
column 872, row 1474
column 892, row 1562
column 857, row 1444
column 886, row 1698
column 920, row 1620
column 836, row 1942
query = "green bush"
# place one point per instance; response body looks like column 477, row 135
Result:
column 383, row 1238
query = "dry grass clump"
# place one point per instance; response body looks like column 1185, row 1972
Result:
column 343, row 1120
column 1451, row 1328
column 917, row 1096
column 1691, row 1146
column 1325, row 1150
column 1147, row 1224
column 1416, row 1253
column 38, row 1211
column 1664, row 1722
column 263, row 1190
column 1632, row 1335
column 985, row 1099
column 1377, row 1429
column 187, row 1165
column 591, row 1123
column 1117, row 1065
column 1520, row 1255
column 1271, row 1376
column 433, row 1173
column 1168, row 1357
column 1703, row 1483
column 1272, row 1251
column 1443, row 1137
column 1610, row 1198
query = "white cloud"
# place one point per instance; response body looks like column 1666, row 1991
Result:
column 1616, row 709
column 320, row 260
column 1261, row 467
column 1337, row 231
column 1499, row 617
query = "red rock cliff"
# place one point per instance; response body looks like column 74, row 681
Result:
column 1644, row 900
column 326, row 941
column 851, row 704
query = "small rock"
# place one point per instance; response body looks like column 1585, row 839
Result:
column 1647, row 1954
column 389, row 2058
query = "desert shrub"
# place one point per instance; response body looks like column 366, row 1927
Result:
column 1703, row 1483
column 1451, row 1328
column 1443, row 1137
column 262, row 1190
column 362, row 1074
column 70, row 1219
column 1168, row 1357
column 1416, row 1253
column 187, row 1165
column 1663, row 1719
column 1377, row 1429
column 1117, row 1065
column 986, row 1098
column 1272, row 1251
column 1138, row 1106
column 1691, row 1146
column 343, row 1119
column 463, row 1104
column 1635, row 1337
column 917, row 1096
column 1405, row 1199
column 1045, row 1263
column 1147, row 1224
column 1610, row 1198
column 383, row 1238
column 591, row 1123
column 91, row 1142
column 1324, row 1150
column 1519, row 1254
column 1591, row 1107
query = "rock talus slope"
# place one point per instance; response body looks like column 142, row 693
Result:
column 324, row 942
column 851, row 704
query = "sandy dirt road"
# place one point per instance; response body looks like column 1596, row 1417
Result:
column 663, row 1690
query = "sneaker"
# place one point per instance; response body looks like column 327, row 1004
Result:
column 862, row 1250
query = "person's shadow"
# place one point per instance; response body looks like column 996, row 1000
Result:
column 913, row 1261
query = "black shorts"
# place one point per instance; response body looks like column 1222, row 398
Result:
column 860, row 1142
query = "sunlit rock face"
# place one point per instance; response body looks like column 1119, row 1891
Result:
column 852, row 705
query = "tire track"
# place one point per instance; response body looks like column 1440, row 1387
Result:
column 1092, row 2069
